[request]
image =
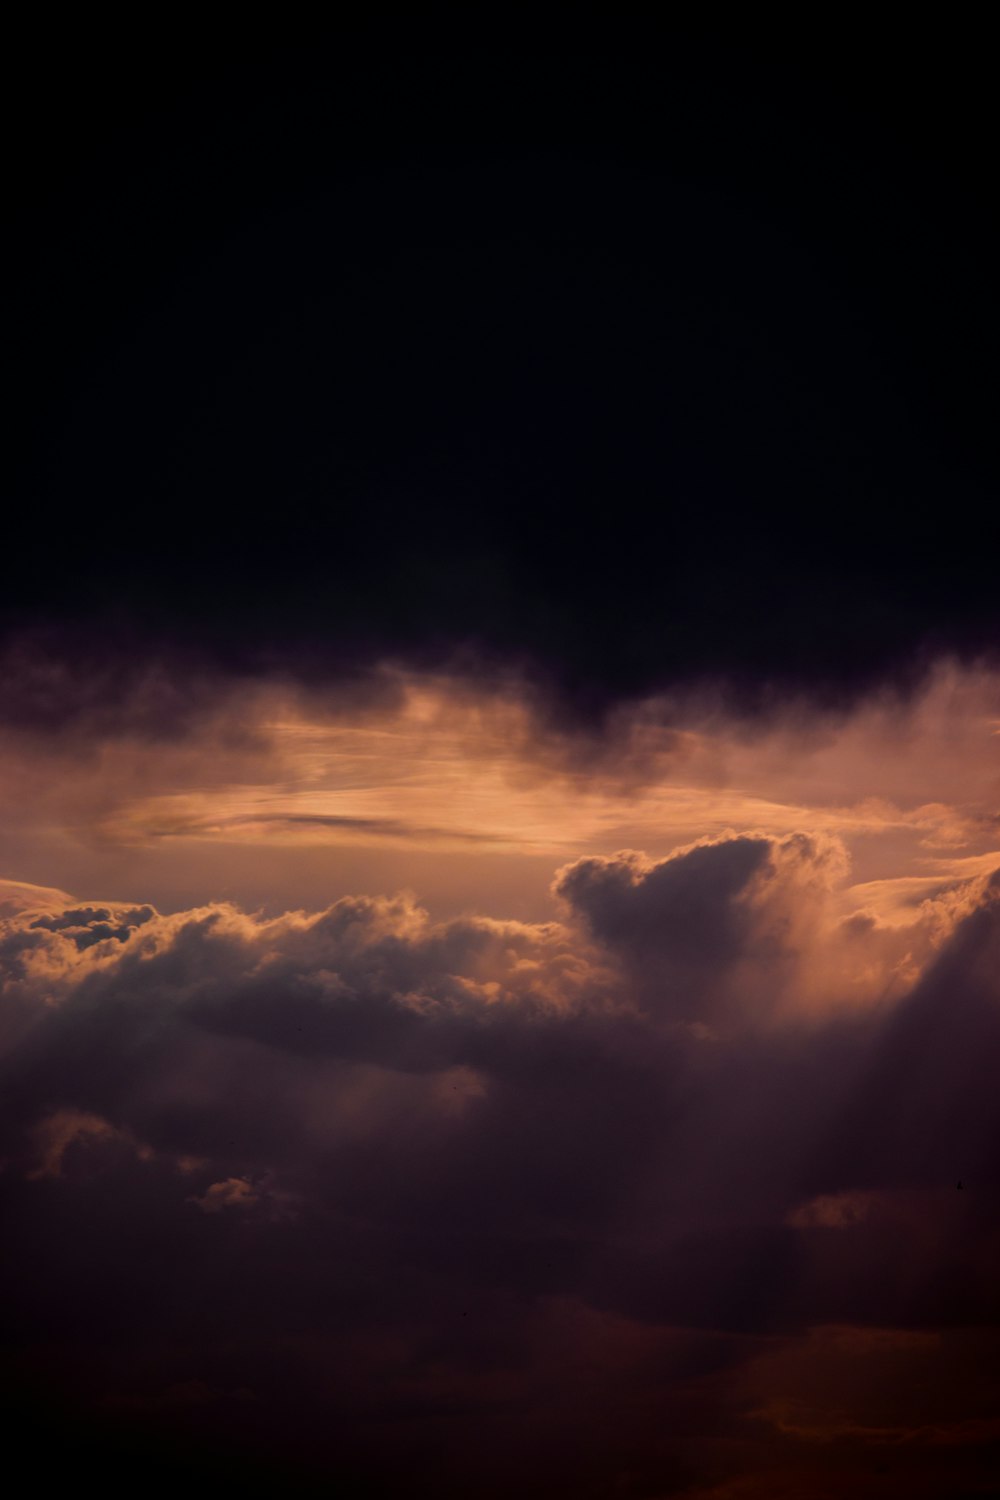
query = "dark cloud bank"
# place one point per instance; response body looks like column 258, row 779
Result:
column 359, row 1201
column 623, row 369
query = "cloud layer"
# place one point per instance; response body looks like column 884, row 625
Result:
column 571, row 1199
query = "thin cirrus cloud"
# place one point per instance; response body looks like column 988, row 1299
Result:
column 439, row 769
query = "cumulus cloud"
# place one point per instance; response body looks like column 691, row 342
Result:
column 459, row 1164
column 715, row 933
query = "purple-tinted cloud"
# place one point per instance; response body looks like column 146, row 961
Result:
column 252, row 1155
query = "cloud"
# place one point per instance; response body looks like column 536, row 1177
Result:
column 714, row 933
column 55, row 1134
column 87, row 925
column 925, row 1108
column 235, row 1192
column 449, row 1168
column 19, row 895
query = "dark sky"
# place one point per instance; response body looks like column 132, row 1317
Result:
column 627, row 364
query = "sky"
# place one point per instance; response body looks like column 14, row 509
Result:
column 500, row 767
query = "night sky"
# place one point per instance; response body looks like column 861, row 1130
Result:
column 499, row 776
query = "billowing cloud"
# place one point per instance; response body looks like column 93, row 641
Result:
column 717, row 928
column 356, row 1156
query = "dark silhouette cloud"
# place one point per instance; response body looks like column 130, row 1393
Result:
column 623, row 372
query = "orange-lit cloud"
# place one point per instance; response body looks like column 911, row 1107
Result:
column 431, row 770
column 672, row 1147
